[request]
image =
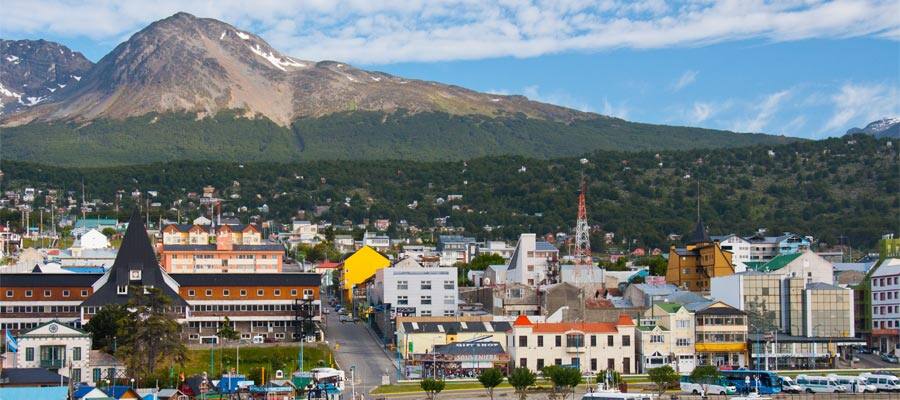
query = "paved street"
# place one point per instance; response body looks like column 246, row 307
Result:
column 356, row 347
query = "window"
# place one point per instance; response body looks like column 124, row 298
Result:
column 47, row 293
column 135, row 275
column 610, row 363
column 293, row 292
column 425, row 300
column 308, row 292
column 574, row 340
column 277, row 292
column 226, row 292
column 426, row 285
column 593, row 364
column 593, row 340
column 449, row 285
column 84, row 293
column 192, row 293
column 208, row 292
column 66, row 293
column 449, row 313
column 76, row 374
column 260, row 292
column 76, row 355
column 523, row 341
column 684, row 323
column 609, row 340
column 402, row 300
column 9, row 293
column 29, row 354
column 557, row 341
column 122, row 289
column 243, row 292
column 682, row 342
column 540, row 340
column 523, row 362
column 402, row 285
column 425, row 313
column 656, row 338
column 449, row 299
column 557, row 361
column 97, row 374
column 540, row 364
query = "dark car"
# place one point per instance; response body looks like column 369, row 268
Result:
column 890, row 358
column 863, row 350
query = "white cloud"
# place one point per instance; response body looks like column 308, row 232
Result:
column 762, row 113
column 687, row 78
column 702, row 111
column 612, row 110
column 380, row 32
column 861, row 104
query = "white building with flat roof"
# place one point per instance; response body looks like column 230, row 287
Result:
column 414, row 290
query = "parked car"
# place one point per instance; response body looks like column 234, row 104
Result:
column 890, row 358
column 344, row 318
column 258, row 339
column 863, row 350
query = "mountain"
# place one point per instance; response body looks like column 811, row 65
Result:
column 197, row 88
column 885, row 127
column 33, row 70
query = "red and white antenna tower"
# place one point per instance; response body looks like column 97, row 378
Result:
column 582, row 231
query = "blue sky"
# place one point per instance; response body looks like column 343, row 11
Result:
column 801, row 68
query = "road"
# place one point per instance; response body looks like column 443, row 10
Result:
column 355, row 347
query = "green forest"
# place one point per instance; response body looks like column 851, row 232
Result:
column 830, row 188
column 427, row 136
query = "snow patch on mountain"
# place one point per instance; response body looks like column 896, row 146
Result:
column 242, row 35
column 279, row 63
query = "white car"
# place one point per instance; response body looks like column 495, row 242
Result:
column 258, row 339
column 345, row 318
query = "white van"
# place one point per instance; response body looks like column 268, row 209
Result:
column 721, row 387
column 882, row 383
column 819, row 384
column 854, row 384
column 788, row 385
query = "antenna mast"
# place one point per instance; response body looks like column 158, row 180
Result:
column 582, row 230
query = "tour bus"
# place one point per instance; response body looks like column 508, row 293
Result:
column 746, row 381
column 882, row 383
column 820, row 384
column 854, row 384
column 722, row 386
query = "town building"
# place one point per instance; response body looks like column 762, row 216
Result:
column 802, row 263
column 533, row 262
column 456, row 249
column 414, row 290
column 720, row 335
column 498, row 247
column 359, row 267
column 666, row 337
column 66, row 351
column 419, row 335
column 885, row 289
column 236, row 249
column 692, row 266
column 277, row 306
column 587, row 346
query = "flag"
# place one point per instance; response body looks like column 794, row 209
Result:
column 11, row 345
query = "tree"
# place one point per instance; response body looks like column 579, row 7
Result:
column 149, row 335
column 705, row 375
column 490, row 378
column 663, row 377
column 104, row 326
column 431, row 387
column 484, row 260
column 521, row 379
column 227, row 332
column 658, row 265
column 564, row 379
column 109, row 232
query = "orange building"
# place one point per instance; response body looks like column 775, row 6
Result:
column 702, row 259
column 234, row 249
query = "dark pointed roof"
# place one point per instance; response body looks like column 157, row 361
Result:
column 135, row 253
column 699, row 235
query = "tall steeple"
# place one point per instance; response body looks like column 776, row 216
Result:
column 699, row 235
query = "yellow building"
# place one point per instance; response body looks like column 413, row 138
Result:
column 721, row 336
column 702, row 259
column 359, row 267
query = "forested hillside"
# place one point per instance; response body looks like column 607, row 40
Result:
column 361, row 135
column 843, row 186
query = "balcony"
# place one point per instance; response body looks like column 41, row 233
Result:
column 52, row 363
